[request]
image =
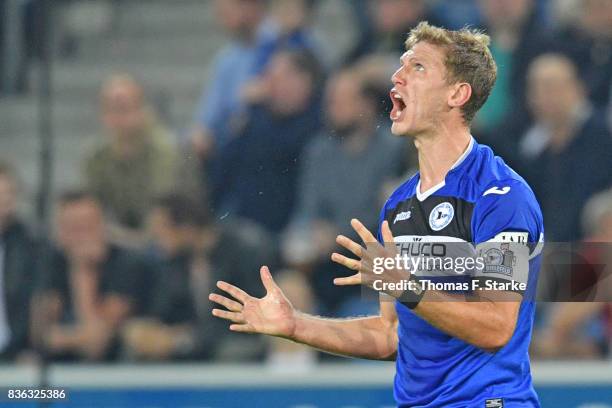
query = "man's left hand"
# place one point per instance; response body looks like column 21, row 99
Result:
column 367, row 257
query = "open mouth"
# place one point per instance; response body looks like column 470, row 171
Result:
column 398, row 105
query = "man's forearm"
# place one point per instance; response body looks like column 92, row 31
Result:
column 367, row 337
column 480, row 322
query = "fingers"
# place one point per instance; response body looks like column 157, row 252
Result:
column 231, row 316
column 242, row 328
column 386, row 232
column 365, row 235
column 236, row 292
column 350, row 263
column 229, row 304
column 348, row 280
column 349, row 244
column 268, row 281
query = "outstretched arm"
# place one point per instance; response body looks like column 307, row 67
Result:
column 373, row 337
column 485, row 319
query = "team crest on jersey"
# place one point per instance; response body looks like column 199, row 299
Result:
column 441, row 216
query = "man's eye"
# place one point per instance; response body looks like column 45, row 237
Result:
column 419, row 67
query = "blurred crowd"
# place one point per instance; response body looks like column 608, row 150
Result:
column 284, row 149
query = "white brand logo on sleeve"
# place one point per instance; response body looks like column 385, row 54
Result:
column 441, row 216
column 497, row 190
column 511, row 236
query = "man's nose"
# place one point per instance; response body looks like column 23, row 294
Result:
column 396, row 78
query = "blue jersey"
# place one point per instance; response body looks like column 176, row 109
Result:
column 480, row 199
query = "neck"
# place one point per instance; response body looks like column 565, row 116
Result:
column 438, row 153
column 561, row 135
column 563, row 128
column 506, row 37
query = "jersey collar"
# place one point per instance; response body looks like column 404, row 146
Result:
column 424, row 195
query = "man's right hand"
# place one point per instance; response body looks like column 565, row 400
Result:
column 273, row 314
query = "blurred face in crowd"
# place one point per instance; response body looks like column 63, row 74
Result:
column 122, row 107
column 392, row 16
column 554, row 90
column 347, row 108
column 170, row 238
column 81, row 232
column 8, row 199
column 240, row 18
column 289, row 88
column 597, row 17
column 290, row 14
column 505, row 13
column 420, row 93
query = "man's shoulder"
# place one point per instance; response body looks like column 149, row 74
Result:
column 489, row 175
column 498, row 193
column 502, row 198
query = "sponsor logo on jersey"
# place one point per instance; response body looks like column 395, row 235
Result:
column 494, row 403
column 511, row 236
column 403, row 216
column 441, row 216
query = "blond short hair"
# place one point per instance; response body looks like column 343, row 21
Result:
column 468, row 59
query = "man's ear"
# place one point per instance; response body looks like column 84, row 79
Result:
column 459, row 95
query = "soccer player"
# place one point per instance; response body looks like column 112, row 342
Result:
column 451, row 350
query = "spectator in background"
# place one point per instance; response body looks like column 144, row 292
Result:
column 258, row 30
column 134, row 164
column 289, row 23
column 194, row 254
column 391, row 22
column 456, row 14
column 584, row 329
column 566, row 154
column 588, row 42
column 517, row 36
column 257, row 172
column 288, row 28
column 353, row 147
column 17, row 278
column 88, row 286
column 234, row 65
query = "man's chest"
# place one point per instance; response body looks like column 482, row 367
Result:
column 439, row 216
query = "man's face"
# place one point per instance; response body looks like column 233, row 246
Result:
column 553, row 89
column 505, row 13
column 81, row 229
column 392, row 16
column 169, row 237
column 345, row 104
column 238, row 17
column 289, row 88
column 122, row 109
column 420, row 92
column 597, row 17
column 8, row 199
